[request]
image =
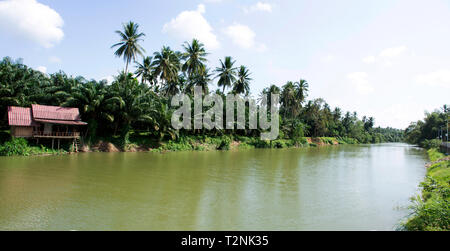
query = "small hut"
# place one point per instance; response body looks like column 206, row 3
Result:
column 50, row 122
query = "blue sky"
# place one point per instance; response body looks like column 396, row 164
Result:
column 387, row 59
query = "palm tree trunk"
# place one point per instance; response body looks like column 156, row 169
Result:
column 126, row 68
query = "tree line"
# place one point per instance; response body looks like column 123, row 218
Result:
column 430, row 131
column 139, row 101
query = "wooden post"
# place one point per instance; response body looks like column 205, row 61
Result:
column 59, row 141
column 53, row 142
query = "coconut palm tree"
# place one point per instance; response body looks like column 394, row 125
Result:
column 202, row 80
column 242, row 84
column 167, row 65
column 195, row 58
column 173, row 87
column 266, row 92
column 302, row 88
column 129, row 47
column 145, row 70
column 289, row 100
column 226, row 73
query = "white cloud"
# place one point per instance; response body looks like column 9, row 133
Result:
column 393, row 52
column 54, row 59
column 369, row 59
column 31, row 20
column 386, row 56
column 360, row 82
column 328, row 59
column 440, row 78
column 191, row 24
column 259, row 6
column 42, row 69
column 244, row 37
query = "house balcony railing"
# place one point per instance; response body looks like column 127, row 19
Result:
column 42, row 134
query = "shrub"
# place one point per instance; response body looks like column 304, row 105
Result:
column 224, row 144
column 434, row 154
column 278, row 144
column 301, row 141
column 431, row 213
column 433, row 143
column 16, row 146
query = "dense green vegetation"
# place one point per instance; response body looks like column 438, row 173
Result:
column 137, row 104
column 430, row 132
column 431, row 210
column 21, row 147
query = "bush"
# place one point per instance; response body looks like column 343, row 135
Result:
column 16, row 146
column 347, row 140
column 435, row 155
column 432, row 212
column 433, row 143
column 224, row 144
column 301, row 142
column 278, row 144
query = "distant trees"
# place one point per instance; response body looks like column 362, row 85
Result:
column 432, row 127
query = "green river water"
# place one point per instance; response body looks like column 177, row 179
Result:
column 365, row 187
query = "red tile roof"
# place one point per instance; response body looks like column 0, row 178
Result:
column 60, row 122
column 55, row 113
column 19, row 116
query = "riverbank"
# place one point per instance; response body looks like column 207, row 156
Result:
column 21, row 147
column 206, row 143
column 142, row 143
column 431, row 209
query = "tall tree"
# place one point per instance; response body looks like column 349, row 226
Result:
column 242, row 84
column 145, row 70
column 302, row 88
column 266, row 92
column 226, row 73
column 195, row 58
column 130, row 101
column 129, row 46
column 167, row 65
column 200, row 80
column 289, row 100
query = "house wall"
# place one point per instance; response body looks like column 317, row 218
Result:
column 22, row 131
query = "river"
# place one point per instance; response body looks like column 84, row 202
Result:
column 363, row 187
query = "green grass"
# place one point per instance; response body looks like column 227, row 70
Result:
column 21, row 147
column 431, row 210
column 435, row 155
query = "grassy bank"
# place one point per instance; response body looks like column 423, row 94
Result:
column 143, row 143
column 431, row 210
column 21, row 147
column 207, row 143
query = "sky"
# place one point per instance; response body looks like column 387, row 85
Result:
column 382, row 58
